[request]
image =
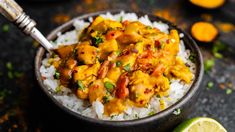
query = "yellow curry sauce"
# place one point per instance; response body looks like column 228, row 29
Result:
column 121, row 64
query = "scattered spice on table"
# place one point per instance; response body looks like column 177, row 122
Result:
column 89, row 1
column 222, row 86
column 206, row 17
column 61, row 18
column 166, row 14
column 225, row 27
column 4, row 118
column 35, row 44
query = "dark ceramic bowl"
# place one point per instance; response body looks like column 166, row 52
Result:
column 162, row 121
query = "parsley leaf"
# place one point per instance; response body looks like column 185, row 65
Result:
column 96, row 41
column 118, row 63
column 109, row 86
column 80, row 85
column 127, row 67
column 57, row 75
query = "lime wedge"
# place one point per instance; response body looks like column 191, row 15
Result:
column 200, row 124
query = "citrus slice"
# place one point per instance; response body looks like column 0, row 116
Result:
column 200, row 124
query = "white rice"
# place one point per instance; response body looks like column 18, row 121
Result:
column 96, row 109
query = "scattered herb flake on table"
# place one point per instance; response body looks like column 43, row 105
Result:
column 5, row 28
column 217, row 47
column 209, row 64
column 9, row 66
column 10, row 75
column 210, row 85
column 228, row 91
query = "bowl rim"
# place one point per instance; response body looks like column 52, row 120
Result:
column 188, row 95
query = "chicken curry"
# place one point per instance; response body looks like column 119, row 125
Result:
column 121, row 64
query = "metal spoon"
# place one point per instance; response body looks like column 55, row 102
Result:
column 14, row 13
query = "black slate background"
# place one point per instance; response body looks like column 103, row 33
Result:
column 29, row 108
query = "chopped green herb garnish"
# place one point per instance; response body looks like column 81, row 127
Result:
column 112, row 116
column 218, row 55
column 10, row 75
column 96, row 41
column 5, row 28
column 137, row 95
column 151, row 113
column 127, row 67
column 162, row 45
column 57, row 75
column 105, row 99
column 209, row 64
column 177, row 111
column 109, row 86
column 58, row 89
column 192, row 57
column 80, row 85
column 121, row 19
column 118, row 63
column 118, row 52
column 148, row 27
column 75, row 51
column 229, row 91
column 9, row 66
column 100, row 60
column 158, row 96
column 210, row 85
column 136, row 116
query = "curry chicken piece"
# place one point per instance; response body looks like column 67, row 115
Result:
column 65, row 51
column 86, row 73
column 86, row 53
column 115, row 106
column 181, row 71
column 96, row 91
column 66, row 70
column 141, row 89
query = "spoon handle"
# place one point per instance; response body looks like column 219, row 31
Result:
column 14, row 13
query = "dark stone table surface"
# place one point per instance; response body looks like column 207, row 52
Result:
column 24, row 107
